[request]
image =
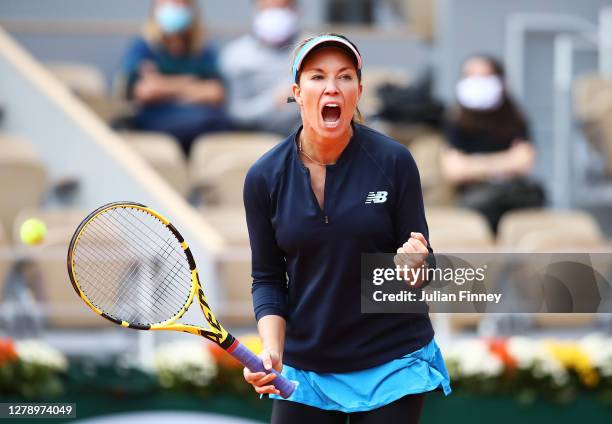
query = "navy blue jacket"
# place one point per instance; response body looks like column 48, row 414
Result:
column 306, row 262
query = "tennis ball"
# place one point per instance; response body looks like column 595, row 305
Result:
column 33, row 231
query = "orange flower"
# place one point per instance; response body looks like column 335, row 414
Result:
column 225, row 360
column 499, row 348
column 222, row 358
column 7, row 351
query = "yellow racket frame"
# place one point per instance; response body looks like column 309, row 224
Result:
column 215, row 332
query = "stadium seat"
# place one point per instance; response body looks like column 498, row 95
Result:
column 592, row 96
column 592, row 105
column 118, row 88
column 604, row 128
column 373, row 78
column 566, row 231
column 230, row 222
column 164, row 155
column 62, row 306
column 407, row 133
column 421, row 18
column 234, row 271
column 558, row 240
column 538, row 228
column 426, row 151
column 88, row 83
column 234, row 264
column 124, row 109
column 555, row 231
column 562, row 239
column 219, row 163
column 81, row 78
column 456, row 229
column 19, row 162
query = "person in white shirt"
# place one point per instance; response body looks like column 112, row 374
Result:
column 254, row 68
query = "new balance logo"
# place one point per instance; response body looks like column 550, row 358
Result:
column 376, row 197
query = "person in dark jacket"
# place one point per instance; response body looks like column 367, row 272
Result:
column 172, row 75
column 332, row 190
column 490, row 153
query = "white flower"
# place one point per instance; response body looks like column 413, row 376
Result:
column 524, row 351
column 532, row 355
column 473, row 358
column 184, row 362
column 35, row 352
column 599, row 350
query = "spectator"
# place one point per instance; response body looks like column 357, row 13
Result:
column 490, row 153
column 173, row 76
column 255, row 69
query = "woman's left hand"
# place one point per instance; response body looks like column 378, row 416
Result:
column 412, row 254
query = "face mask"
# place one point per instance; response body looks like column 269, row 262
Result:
column 480, row 93
column 173, row 18
column 275, row 26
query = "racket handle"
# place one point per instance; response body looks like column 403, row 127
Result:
column 255, row 364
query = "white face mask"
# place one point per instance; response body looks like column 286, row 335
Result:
column 275, row 26
column 173, row 18
column 481, row 92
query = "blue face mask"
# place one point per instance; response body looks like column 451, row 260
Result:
column 173, row 18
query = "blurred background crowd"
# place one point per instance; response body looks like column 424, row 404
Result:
column 505, row 106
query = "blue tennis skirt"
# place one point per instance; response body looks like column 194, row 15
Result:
column 420, row 371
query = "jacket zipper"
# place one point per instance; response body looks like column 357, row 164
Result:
column 325, row 217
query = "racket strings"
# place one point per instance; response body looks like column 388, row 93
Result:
column 128, row 269
column 163, row 259
column 114, row 293
column 133, row 261
column 132, row 267
column 101, row 235
column 163, row 251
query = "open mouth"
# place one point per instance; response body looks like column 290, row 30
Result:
column 331, row 114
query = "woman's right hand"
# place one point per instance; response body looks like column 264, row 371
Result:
column 261, row 381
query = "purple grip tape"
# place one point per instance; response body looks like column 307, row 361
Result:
column 254, row 363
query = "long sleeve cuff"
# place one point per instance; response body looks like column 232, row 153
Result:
column 269, row 299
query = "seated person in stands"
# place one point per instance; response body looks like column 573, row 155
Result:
column 489, row 155
column 255, row 69
column 172, row 75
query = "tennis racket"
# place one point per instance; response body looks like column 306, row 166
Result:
column 130, row 265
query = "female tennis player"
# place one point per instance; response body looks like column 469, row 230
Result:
column 331, row 191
